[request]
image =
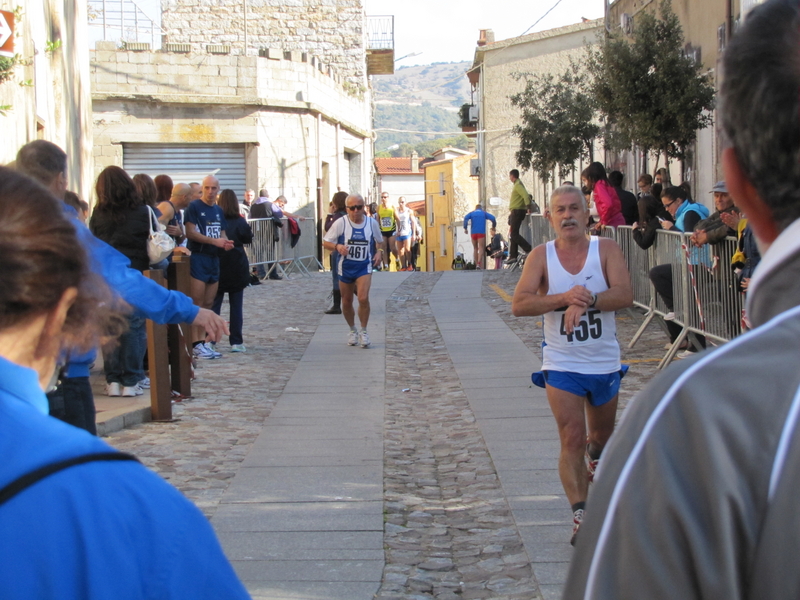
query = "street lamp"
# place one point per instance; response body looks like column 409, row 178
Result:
column 407, row 56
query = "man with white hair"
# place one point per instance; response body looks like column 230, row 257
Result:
column 696, row 497
column 356, row 239
column 577, row 282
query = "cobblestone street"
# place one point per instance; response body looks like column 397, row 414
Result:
column 464, row 516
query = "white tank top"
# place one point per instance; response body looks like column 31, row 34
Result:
column 592, row 347
column 403, row 223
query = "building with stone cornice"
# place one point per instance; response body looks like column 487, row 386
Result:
column 290, row 114
column 493, row 76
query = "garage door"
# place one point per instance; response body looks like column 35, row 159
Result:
column 186, row 163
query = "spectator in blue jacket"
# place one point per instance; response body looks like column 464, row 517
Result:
column 46, row 163
column 77, row 518
column 478, row 218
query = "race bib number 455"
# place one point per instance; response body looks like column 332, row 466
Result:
column 589, row 328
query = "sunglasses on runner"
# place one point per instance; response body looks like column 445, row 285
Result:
column 356, row 207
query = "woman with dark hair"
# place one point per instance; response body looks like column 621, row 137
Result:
column 122, row 221
column 651, row 212
column 147, row 190
column 164, row 186
column 234, row 270
column 62, row 488
column 338, row 211
column 149, row 195
column 604, row 196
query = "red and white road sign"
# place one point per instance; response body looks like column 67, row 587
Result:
column 6, row 33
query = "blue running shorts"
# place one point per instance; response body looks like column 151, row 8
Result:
column 598, row 389
column 352, row 270
column 204, row 267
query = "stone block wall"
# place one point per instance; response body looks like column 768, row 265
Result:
column 331, row 29
column 547, row 52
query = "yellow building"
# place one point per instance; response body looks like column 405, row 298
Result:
column 450, row 193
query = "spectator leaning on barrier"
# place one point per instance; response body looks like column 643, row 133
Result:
column 604, row 196
column 685, row 215
column 627, row 200
column 722, row 223
column 651, row 213
column 73, row 401
column 696, row 496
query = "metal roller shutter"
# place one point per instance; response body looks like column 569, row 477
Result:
column 185, row 163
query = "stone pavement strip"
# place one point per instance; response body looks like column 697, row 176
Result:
column 422, row 467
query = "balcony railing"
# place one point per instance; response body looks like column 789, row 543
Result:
column 122, row 21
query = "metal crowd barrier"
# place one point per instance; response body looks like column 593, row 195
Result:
column 279, row 254
column 303, row 256
column 706, row 300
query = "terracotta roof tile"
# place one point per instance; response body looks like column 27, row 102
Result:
column 398, row 166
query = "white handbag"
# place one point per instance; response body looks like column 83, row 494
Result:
column 159, row 244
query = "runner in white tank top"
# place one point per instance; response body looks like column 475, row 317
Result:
column 577, row 284
column 591, row 348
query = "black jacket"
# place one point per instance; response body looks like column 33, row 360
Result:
column 234, row 268
column 128, row 234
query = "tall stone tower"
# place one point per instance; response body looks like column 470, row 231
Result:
column 332, row 30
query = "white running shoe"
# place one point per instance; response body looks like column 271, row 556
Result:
column 114, row 390
column 212, row 346
column 144, row 383
column 130, row 392
column 352, row 338
column 203, row 351
column 363, row 338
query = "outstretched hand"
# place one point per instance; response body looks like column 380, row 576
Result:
column 214, row 325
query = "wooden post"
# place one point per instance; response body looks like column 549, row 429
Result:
column 180, row 336
column 158, row 359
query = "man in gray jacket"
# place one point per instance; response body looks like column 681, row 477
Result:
column 696, row 494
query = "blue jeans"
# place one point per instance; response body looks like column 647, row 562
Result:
column 73, row 403
column 334, row 273
column 123, row 363
column 236, row 300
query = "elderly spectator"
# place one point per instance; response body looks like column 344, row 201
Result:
column 722, row 223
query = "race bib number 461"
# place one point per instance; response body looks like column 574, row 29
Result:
column 357, row 250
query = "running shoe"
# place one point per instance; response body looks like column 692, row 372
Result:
column 144, row 383
column 238, row 348
column 352, row 338
column 577, row 519
column 130, row 392
column 363, row 339
column 685, row 354
column 113, row 389
column 591, row 465
column 510, row 260
column 213, row 347
column 201, row 351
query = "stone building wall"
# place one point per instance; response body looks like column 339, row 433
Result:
column 330, row 29
column 539, row 53
column 291, row 114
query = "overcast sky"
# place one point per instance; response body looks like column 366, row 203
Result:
column 447, row 31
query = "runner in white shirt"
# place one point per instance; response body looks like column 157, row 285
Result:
column 577, row 284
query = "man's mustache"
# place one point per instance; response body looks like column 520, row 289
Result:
column 567, row 222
